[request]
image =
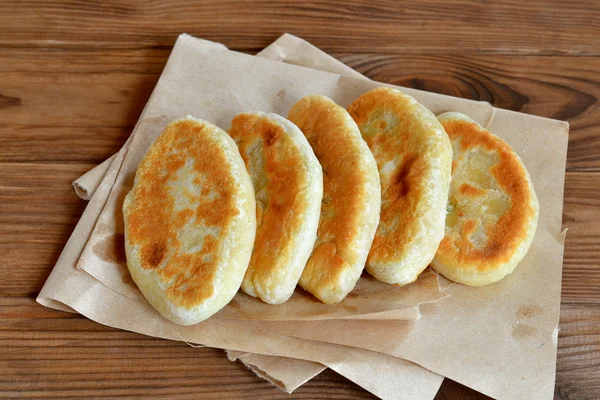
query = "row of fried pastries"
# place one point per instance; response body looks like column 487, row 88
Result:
column 315, row 198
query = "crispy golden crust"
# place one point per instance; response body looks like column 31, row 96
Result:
column 414, row 158
column 189, row 203
column 288, row 183
column 493, row 209
column 351, row 198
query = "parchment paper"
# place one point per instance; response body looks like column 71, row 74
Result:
column 286, row 373
column 273, row 368
column 104, row 256
column 500, row 340
column 381, row 380
column 70, row 290
column 87, row 183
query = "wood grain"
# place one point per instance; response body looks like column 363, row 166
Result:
column 94, row 97
column 426, row 27
column 581, row 215
column 75, row 75
column 69, row 356
column 51, row 114
column 578, row 363
column 38, row 212
column 63, row 348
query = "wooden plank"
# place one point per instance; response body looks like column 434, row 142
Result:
column 72, row 106
column 578, row 362
column 581, row 214
column 93, row 98
column 75, row 75
column 38, row 211
column 426, row 27
column 68, row 356
column 69, row 117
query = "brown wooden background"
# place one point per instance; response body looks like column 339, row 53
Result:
column 74, row 76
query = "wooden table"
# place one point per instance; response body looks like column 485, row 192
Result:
column 74, row 77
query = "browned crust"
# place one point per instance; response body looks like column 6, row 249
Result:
column 512, row 228
column 400, row 191
column 326, row 127
column 153, row 224
column 282, row 214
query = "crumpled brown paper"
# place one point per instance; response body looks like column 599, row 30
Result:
column 474, row 336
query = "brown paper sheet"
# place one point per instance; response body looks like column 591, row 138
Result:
column 279, row 371
column 381, row 379
column 497, row 349
column 286, row 373
column 69, row 289
column 87, row 183
column 487, row 361
column 401, row 380
column 423, row 384
column 104, row 259
column 506, row 344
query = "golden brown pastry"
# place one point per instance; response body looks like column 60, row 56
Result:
column 288, row 183
column 414, row 158
column 351, row 198
column 190, row 221
column 492, row 209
